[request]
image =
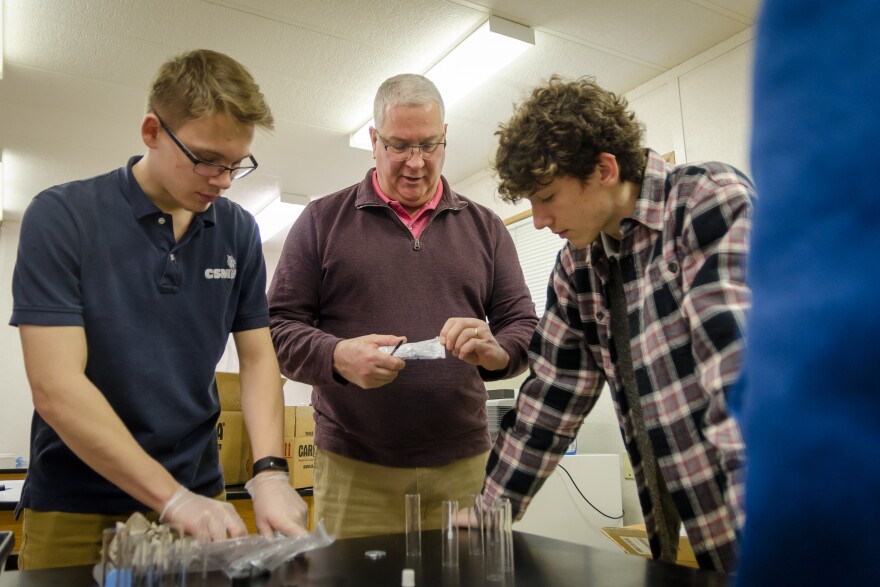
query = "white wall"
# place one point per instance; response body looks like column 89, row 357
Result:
column 16, row 406
column 701, row 109
column 295, row 394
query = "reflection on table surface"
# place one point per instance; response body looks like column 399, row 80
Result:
column 538, row 562
column 10, row 491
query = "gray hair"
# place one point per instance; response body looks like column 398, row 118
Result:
column 406, row 89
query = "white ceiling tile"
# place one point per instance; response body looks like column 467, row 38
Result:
column 77, row 71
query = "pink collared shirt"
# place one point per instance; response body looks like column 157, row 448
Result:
column 416, row 224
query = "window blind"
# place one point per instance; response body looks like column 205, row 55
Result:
column 537, row 250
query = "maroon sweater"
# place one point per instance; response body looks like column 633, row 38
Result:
column 350, row 268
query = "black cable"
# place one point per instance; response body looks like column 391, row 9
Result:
column 587, row 500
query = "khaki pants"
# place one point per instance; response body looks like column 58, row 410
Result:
column 62, row 539
column 355, row 498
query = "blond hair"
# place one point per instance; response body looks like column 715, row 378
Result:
column 200, row 83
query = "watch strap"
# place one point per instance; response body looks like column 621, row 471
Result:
column 270, row 463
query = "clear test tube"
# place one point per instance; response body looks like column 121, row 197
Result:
column 413, row 524
column 179, row 562
column 110, row 568
column 201, row 563
column 494, row 550
column 507, row 531
column 449, row 538
column 140, row 560
column 127, row 552
column 177, row 553
column 157, row 563
column 499, row 541
column 475, row 525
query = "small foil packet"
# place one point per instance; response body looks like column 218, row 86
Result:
column 424, row 349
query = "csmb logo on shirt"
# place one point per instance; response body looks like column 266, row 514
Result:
column 227, row 272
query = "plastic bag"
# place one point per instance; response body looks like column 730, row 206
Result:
column 266, row 555
column 137, row 557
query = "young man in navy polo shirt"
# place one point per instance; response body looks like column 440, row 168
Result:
column 126, row 288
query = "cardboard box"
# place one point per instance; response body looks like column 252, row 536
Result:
column 634, row 540
column 235, row 447
column 299, row 444
column 232, row 438
column 236, row 458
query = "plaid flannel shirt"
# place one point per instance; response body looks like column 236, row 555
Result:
column 683, row 258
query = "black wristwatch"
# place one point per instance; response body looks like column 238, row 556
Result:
column 270, row 463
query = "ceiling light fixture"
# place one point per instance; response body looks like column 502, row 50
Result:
column 481, row 55
column 280, row 213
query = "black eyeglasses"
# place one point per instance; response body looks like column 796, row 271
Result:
column 204, row 168
column 404, row 152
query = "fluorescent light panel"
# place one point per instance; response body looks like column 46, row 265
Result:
column 483, row 54
column 1, row 48
column 1, row 188
column 280, row 213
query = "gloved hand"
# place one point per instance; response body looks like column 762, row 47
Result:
column 277, row 505
column 202, row 517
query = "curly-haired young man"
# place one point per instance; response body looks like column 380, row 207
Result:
column 648, row 295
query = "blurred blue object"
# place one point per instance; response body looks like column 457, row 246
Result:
column 810, row 407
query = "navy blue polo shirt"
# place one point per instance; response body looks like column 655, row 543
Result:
column 157, row 315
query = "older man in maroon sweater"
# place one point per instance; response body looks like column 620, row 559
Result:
column 399, row 256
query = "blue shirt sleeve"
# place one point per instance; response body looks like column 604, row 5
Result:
column 46, row 286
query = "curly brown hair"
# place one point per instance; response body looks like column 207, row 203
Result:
column 560, row 130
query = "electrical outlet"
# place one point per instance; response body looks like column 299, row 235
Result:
column 627, row 467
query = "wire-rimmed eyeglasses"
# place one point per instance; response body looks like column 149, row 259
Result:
column 404, row 152
column 204, row 168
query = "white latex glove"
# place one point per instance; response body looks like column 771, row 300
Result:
column 202, row 517
column 277, row 505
